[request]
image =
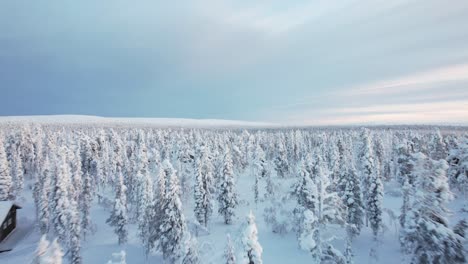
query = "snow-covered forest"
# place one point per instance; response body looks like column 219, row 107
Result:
column 123, row 194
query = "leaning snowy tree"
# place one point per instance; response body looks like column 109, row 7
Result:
column 227, row 195
column 252, row 251
column 426, row 232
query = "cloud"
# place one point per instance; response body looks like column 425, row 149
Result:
column 268, row 59
column 438, row 95
column 450, row 112
column 415, row 82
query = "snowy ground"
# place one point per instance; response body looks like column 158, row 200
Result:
column 99, row 246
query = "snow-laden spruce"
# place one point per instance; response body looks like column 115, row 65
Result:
column 48, row 253
column 227, row 190
column 252, row 250
column 6, row 184
column 172, row 230
column 426, row 234
column 119, row 217
column 204, row 188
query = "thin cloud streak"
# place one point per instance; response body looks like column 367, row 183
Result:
column 450, row 112
column 414, row 82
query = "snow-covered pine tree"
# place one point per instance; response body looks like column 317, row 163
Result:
column 39, row 255
column 203, row 188
column 403, row 163
column 281, row 159
column 310, row 239
column 156, row 212
column 229, row 252
column 460, row 231
column 173, row 229
column 84, row 203
column 328, row 209
column 379, row 153
column 367, row 169
column 17, row 172
column 60, row 198
column 458, row 165
column 76, row 176
column 48, row 253
column 227, row 192
column 65, row 211
column 119, row 217
column 437, row 147
column 41, row 192
column 352, row 200
column 143, row 188
column 252, row 251
column 426, row 233
column 191, row 251
column 306, row 190
column 374, row 203
column 74, row 234
column 6, row 183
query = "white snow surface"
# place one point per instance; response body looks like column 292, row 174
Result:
column 150, row 122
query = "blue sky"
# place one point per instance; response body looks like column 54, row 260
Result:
column 295, row 62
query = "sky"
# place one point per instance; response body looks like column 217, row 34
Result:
column 317, row 62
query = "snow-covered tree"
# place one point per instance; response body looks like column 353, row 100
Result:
column 458, row 169
column 41, row 192
column 426, row 234
column 371, row 182
column 173, row 229
column 191, row 251
column 352, row 200
column 6, row 183
column 310, row 239
column 306, row 189
column 17, row 172
column 60, row 199
column 203, row 188
column 48, row 253
column 41, row 250
column 437, row 147
column 252, row 251
column 227, row 194
column 374, row 203
column 229, row 252
column 327, row 208
column 119, row 218
column 150, row 229
column 403, row 163
column 281, row 159
column 65, row 216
